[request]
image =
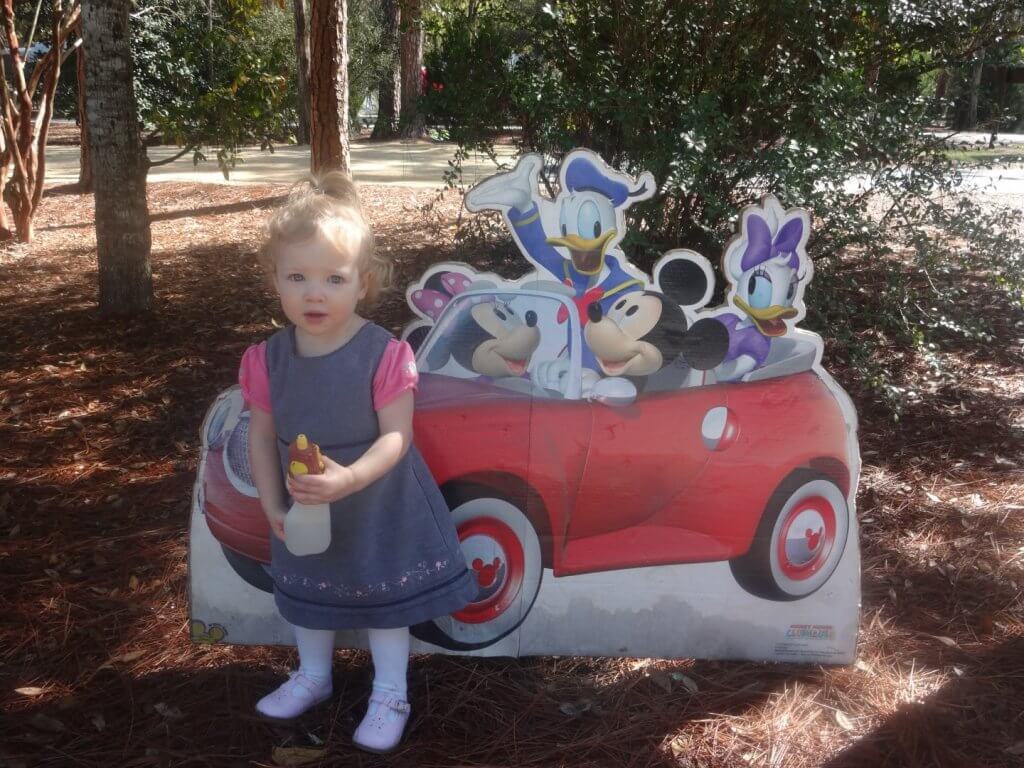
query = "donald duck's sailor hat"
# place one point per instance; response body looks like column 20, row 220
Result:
column 582, row 174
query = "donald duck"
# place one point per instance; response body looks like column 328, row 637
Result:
column 575, row 236
column 767, row 267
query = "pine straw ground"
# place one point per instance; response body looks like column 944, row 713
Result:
column 98, row 439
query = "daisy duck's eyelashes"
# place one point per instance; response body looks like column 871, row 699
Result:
column 759, row 288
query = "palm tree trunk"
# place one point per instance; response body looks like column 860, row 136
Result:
column 302, row 68
column 85, row 183
column 119, row 160
column 328, row 86
column 411, row 123
column 386, row 126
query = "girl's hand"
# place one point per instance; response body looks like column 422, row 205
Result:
column 336, row 482
column 276, row 520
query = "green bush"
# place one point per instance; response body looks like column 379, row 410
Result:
column 726, row 100
column 226, row 81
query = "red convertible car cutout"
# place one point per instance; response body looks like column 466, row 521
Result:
column 546, row 468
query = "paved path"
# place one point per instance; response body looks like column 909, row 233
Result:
column 975, row 138
column 418, row 164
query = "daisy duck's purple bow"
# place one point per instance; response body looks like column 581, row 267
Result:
column 431, row 302
column 761, row 247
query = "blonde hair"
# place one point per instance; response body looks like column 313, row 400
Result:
column 328, row 206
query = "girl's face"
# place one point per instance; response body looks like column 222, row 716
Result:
column 319, row 287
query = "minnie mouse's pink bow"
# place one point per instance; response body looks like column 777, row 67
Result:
column 431, row 302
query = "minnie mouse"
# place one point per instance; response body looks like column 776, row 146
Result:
column 493, row 340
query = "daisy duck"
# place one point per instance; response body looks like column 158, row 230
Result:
column 575, row 236
column 767, row 268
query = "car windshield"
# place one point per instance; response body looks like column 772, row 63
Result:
column 500, row 338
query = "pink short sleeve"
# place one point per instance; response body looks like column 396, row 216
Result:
column 395, row 374
column 253, row 377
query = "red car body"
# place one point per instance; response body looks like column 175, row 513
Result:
column 755, row 473
column 635, row 486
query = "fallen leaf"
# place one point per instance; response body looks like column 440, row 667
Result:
column 863, row 666
column 946, row 641
column 99, row 722
column 575, row 708
column 124, row 658
column 133, row 582
column 662, row 679
column 30, row 690
column 844, row 720
column 38, row 738
column 932, row 497
column 171, row 713
column 45, row 723
column 1015, row 749
column 290, row 756
column 688, row 682
column 678, row 747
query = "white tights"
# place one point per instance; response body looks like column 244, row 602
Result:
column 388, row 647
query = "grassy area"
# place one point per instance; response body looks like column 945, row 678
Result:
column 986, row 156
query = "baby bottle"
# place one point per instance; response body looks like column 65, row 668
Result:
column 307, row 527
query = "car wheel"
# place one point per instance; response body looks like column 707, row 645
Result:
column 799, row 541
column 253, row 572
column 503, row 551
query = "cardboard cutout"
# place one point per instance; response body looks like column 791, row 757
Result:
column 630, row 472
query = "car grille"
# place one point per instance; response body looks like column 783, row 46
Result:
column 238, row 451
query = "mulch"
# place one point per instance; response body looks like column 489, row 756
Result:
column 99, row 424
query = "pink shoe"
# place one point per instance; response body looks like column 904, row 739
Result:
column 384, row 724
column 296, row 695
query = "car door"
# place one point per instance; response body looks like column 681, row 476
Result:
column 641, row 459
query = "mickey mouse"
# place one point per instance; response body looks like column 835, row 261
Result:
column 646, row 337
column 496, row 342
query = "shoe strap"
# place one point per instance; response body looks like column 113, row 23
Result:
column 300, row 680
column 392, row 702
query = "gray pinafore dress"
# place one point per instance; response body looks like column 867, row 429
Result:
column 394, row 558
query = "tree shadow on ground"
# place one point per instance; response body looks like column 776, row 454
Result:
column 971, row 722
column 465, row 711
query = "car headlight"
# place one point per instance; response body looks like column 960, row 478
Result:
column 215, row 427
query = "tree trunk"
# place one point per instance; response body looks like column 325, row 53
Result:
column 328, row 86
column 942, row 84
column 971, row 119
column 302, row 68
column 386, row 126
column 411, row 124
column 118, row 159
column 85, row 157
column 24, row 133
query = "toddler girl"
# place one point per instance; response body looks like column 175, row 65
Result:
column 347, row 384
